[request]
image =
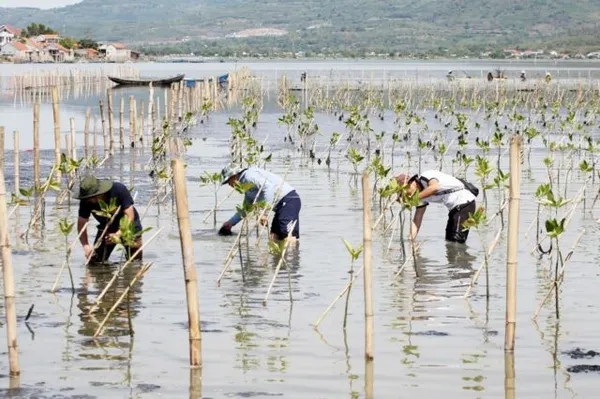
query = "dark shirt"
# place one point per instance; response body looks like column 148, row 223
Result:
column 123, row 199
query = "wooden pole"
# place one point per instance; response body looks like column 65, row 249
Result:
column 9, row 284
column 509, row 375
column 104, row 133
column 72, row 149
column 516, row 143
column 367, row 226
column 2, row 147
column 131, row 122
column 95, row 138
column 17, row 162
column 122, row 123
column 189, row 268
column 36, row 144
column 56, row 114
column 86, row 132
column 111, row 130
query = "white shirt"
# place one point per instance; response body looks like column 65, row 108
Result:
column 445, row 182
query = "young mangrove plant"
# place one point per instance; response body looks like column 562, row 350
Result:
column 354, row 255
column 214, row 181
column 65, row 229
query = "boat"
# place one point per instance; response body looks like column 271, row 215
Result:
column 146, row 82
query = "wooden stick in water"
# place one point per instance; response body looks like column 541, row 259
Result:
column 137, row 276
column 86, row 132
column 111, row 131
column 2, row 147
column 56, row 114
column 478, row 272
column 340, row 296
column 36, row 145
column 9, row 285
column 17, row 162
column 285, row 247
column 367, row 255
column 516, row 144
column 104, row 133
column 189, row 267
column 122, row 123
column 62, row 268
column 98, row 300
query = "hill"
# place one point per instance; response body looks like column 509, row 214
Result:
column 381, row 26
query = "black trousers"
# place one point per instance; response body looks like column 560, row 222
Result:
column 455, row 231
column 287, row 211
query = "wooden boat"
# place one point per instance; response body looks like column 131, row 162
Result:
column 146, row 82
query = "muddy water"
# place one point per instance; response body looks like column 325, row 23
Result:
column 429, row 341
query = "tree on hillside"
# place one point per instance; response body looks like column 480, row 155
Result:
column 36, row 30
column 88, row 43
column 68, row 42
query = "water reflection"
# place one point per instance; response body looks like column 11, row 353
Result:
column 96, row 279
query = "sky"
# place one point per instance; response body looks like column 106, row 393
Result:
column 37, row 3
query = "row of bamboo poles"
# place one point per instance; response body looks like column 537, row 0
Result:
column 66, row 77
column 180, row 101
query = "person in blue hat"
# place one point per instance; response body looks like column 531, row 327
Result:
column 91, row 192
column 267, row 186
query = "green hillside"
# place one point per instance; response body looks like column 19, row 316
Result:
column 392, row 26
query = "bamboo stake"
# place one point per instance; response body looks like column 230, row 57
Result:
column 36, row 145
column 2, row 147
column 72, row 150
column 9, row 284
column 189, row 268
column 95, row 138
column 285, row 246
column 111, row 131
column 367, row 254
column 122, row 124
column 86, row 132
column 131, row 122
column 137, row 276
column 17, row 162
column 118, row 271
column 56, row 114
column 104, row 134
column 516, row 143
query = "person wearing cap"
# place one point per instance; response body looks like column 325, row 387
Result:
column 91, row 192
column 437, row 187
column 269, row 188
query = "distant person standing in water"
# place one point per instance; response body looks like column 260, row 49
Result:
column 272, row 188
column 91, row 192
column 437, row 187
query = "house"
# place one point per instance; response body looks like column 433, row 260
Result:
column 8, row 34
column 86, row 53
column 59, row 53
column 17, row 51
column 46, row 39
column 117, row 52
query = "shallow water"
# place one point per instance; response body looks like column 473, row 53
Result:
column 428, row 340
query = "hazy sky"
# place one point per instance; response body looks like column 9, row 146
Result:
column 37, row 3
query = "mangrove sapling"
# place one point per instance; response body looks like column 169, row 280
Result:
column 38, row 213
column 499, row 182
column 66, row 228
column 477, row 221
column 497, row 141
column 69, row 250
column 555, row 229
column 483, row 171
column 68, row 168
column 355, row 157
column 214, row 180
column 354, row 255
column 560, row 277
column 410, row 202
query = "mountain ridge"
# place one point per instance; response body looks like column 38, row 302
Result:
column 371, row 25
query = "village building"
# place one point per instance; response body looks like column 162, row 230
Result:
column 8, row 34
column 17, row 51
column 117, row 52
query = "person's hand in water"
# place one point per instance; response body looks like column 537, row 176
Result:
column 225, row 230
